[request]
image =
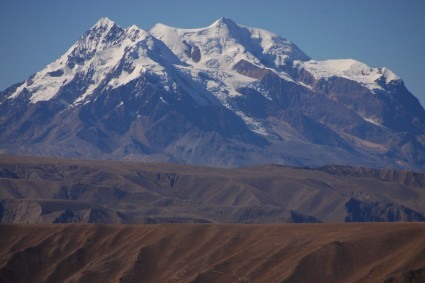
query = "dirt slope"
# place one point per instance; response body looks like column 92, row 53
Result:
column 369, row 252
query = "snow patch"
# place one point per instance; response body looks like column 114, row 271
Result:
column 373, row 121
column 349, row 69
column 163, row 100
column 253, row 125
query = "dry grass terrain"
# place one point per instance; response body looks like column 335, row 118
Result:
column 368, row 252
column 44, row 190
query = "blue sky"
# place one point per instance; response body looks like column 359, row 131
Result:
column 379, row 33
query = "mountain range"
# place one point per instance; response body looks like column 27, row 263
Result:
column 39, row 190
column 225, row 95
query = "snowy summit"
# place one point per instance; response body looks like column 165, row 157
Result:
column 225, row 95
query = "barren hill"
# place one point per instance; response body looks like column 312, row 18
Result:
column 43, row 190
column 373, row 252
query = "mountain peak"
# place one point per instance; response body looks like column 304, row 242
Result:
column 224, row 95
column 104, row 22
column 160, row 27
column 225, row 22
column 133, row 27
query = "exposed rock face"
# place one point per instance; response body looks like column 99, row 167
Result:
column 225, row 95
column 37, row 190
column 20, row 211
column 360, row 211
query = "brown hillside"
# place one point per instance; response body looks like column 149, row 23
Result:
column 213, row 253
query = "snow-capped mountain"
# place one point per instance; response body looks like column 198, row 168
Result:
column 224, row 95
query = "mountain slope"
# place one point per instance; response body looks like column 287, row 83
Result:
column 225, row 95
column 41, row 190
column 213, row 253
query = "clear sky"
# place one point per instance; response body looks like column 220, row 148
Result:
column 388, row 33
